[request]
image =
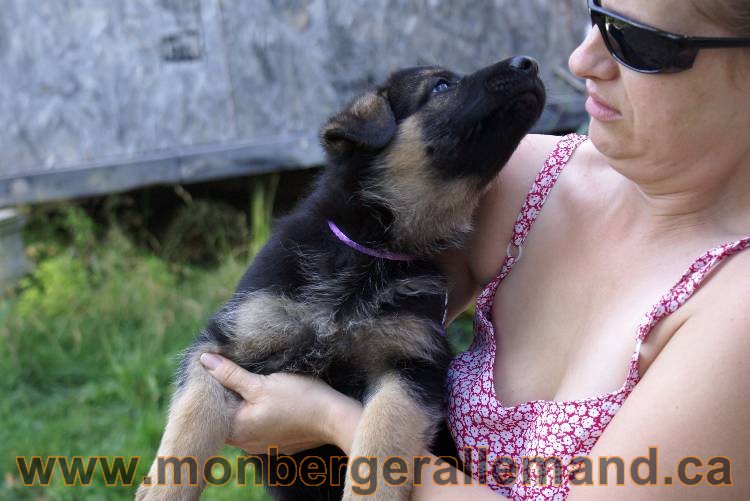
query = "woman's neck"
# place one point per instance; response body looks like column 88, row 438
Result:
column 710, row 194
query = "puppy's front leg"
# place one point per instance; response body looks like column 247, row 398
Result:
column 198, row 423
column 393, row 423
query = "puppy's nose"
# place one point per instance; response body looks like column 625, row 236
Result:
column 525, row 64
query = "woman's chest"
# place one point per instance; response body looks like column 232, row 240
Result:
column 566, row 323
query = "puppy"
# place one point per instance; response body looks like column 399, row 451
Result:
column 346, row 288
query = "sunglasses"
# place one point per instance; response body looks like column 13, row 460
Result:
column 645, row 49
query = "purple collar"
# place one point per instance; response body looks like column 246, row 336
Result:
column 393, row 256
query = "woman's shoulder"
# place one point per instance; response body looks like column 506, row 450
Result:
column 500, row 206
column 478, row 261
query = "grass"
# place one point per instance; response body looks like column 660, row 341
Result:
column 89, row 344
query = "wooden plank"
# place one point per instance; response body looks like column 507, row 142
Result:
column 183, row 165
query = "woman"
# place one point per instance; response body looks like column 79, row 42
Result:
column 579, row 369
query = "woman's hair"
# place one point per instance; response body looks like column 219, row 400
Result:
column 733, row 15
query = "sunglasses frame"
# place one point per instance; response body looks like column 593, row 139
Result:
column 686, row 47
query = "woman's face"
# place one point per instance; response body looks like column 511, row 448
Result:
column 666, row 118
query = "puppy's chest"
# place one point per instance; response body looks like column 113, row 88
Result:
column 324, row 322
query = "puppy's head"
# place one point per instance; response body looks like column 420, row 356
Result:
column 427, row 143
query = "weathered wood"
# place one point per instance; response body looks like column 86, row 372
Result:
column 175, row 165
column 104, row 96
column 13, row 262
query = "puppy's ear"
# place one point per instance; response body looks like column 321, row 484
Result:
column 367, row 123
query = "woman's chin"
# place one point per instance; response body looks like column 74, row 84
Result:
column 608, row 138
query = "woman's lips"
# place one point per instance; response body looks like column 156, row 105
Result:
column 598, row 109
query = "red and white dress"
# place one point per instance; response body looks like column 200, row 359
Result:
column 543, row 428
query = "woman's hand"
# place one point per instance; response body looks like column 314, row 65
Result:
column 288, row 411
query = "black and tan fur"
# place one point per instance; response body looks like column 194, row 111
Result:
column 408, row 162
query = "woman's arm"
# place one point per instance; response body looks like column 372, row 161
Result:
column 295, row 413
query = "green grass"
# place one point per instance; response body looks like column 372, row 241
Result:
column 89, row 344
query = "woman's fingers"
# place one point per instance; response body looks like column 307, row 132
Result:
column 231, row 375
column 292, row 412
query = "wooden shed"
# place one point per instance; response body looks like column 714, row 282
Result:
column 97, row 97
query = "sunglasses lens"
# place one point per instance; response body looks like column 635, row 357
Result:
column 642, row 49
column 638, row 48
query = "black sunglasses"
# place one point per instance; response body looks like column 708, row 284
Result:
column 645, row 49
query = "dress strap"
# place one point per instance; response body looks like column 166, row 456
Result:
column 686, row 287
column 538, row 194
column 535, row 199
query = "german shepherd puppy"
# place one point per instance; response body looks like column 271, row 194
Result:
column 408, row 162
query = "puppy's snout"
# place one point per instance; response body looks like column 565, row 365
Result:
column 525, row 64
column 504, row 77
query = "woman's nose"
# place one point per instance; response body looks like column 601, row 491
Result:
column 592, row 60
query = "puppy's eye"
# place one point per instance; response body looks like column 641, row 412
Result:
column 441, row 86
